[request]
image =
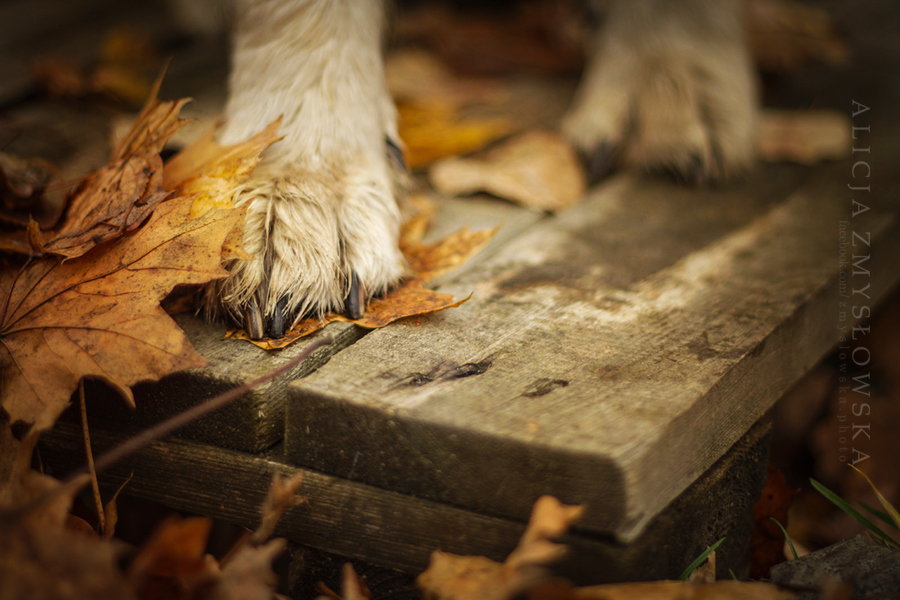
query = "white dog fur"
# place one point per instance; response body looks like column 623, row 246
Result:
column 668, row 84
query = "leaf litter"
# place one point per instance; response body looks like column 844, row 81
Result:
column 126, row 247
column 42, row 557
column 526, row 572
column 119, row 197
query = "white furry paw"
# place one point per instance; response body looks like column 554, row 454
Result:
column 322, row 221
column 321, row 241
column 669, row 87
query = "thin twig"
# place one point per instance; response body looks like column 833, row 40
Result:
column 90, row 458
column 180, row 420
column 80, row 477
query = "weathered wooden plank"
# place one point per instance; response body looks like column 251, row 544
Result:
column 253, row 423
column 609, row 356
column 256, row 421
column 393, row 530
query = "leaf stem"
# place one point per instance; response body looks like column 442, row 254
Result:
column 101, row 518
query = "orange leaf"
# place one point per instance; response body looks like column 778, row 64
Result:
column 454, row 576
column 767, row 541
column 785, row 35
column 212, row 173
column 98, row 315
column 119, row 197
column 433, row 131
column 176, row 549
column 407, row 300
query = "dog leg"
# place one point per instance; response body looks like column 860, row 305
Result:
column 322, row 220
column 669, row 85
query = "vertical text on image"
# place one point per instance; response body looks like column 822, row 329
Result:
column 855, row 378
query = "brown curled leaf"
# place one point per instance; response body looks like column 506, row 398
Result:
column 410, row 298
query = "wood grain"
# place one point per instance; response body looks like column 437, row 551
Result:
column 608, row 356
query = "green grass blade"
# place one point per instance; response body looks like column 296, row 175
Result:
column 881, row 515
column 840, row 503
column 887, row 506
column 699, row 560
column 733, row 576
column 786, row 536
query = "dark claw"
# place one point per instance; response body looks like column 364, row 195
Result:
column 600, row 161
column 396, row 154
column 253, row 322
column 355, row 302
column 278, row 324
column 697, row 173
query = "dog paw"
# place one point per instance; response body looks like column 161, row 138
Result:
column 669, row 86
column 322, row 220
column 322, row 240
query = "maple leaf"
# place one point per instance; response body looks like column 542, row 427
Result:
column 118, row 197
column 409, row 299
column 98, row 315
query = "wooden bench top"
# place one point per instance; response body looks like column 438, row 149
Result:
column 609, row 354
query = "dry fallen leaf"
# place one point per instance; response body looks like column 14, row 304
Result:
column 22, row 185
column 536, row 37
column 524, row 575
column 805, row 137
column 549, row 519
column 433, row 131
column 58, row 563
column 173, row 565
column 22, row 180
column 281, row 496
column 454, row 577
column 352, row 587
column 248, row 576
column 173, row 558
column 705, row 573
column 537, row 169
column 212, row 173
column 119, row 197
column 660, row 590
column 785, row 35
column 418, row 217
column 98, row 315
column 41, row 556
column 416, row 76
column 409, row 299
column 21, row 486
column 767, row 540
